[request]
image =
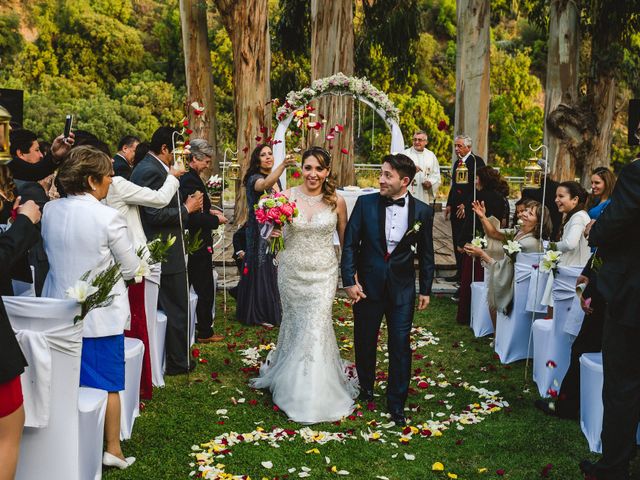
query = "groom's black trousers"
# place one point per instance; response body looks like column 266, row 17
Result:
column 367, row 319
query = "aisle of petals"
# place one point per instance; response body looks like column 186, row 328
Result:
column 438, row 392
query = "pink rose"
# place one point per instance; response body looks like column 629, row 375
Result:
column 261, row 217
column 287, row 209
column 273, row 214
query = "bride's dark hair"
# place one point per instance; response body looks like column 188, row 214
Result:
column 329, row 185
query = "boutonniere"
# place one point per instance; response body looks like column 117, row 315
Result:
column 415, row 228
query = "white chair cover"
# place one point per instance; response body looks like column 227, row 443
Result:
column 513, row 331
column 51, row 452
column 537, row 286
column 24, row 289
column 159, row 358
column 480, row 316
column 92, row 407
column 540, row 332
column 130, row 396
column 556, row 345
column 155, row 331
column 591, row 408
column 193, row 303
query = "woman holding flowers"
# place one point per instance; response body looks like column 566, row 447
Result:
column 500, row 284
column 258, row 299
column 492, row 191
column 80, row 235
column 306, row 376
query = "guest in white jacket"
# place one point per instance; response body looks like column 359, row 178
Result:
column 571, row 199
column 125, row 197
column 81, row 234
column 427, row 180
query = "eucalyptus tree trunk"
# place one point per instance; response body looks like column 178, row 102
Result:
column 562, row 81
column 472, row 73
column 197, row 59
column 247, row 23
column 585, row 126
column 332, row 45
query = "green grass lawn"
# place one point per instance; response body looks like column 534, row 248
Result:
column 505, row 437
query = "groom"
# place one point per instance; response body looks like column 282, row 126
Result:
column 385, row 233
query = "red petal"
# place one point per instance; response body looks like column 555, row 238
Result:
column 345, row 151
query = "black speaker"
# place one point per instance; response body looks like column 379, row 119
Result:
column 13, row 100
column 634, row 122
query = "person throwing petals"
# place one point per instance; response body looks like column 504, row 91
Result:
column 385, row 233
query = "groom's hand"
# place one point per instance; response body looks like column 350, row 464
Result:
column 423, row 301
column 355, row 292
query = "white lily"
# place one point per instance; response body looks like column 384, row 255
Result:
column 512, row 247
column 480, row 242
column 142, row 271
column 80, row 291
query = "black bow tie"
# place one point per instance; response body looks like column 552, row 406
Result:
column 389, row 201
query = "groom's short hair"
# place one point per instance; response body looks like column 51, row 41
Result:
column 401, row 164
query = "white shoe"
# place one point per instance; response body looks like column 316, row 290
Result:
column 110, row 460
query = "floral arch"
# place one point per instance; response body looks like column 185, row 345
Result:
column 338, row 84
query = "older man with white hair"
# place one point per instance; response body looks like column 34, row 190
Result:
column 461, row 194
column 427, row 180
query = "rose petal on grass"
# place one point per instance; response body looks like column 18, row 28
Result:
column 267, row 464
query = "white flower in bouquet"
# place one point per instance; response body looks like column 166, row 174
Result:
column 512, row 247
column 80, row 291
column 550, row 261
column 143, row 270
column 480, row 242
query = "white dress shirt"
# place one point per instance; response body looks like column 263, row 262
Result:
column 574, row 247
column 396, row 223
column 80, row 235
column 126, row 196
column 430, row 170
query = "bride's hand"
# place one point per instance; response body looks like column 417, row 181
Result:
column 275, row 233
column 355, row 292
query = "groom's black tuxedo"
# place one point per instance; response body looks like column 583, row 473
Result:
column 388, row 281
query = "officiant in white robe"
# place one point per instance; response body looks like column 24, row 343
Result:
column 427, row 180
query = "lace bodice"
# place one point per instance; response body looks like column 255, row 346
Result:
column 310, row 236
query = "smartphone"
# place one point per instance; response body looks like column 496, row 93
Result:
column 67, row 126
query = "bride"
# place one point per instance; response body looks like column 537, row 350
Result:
column 307, row 378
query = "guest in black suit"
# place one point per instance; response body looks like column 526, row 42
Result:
column 200, row 265
column 461, row 195
column 384, row 235
column 28, row 163
column 239, row 249
column 173, row 296
column 26, row 148
column 13, row 243
column 615, row 234
column 123, row 160
column 549, row 201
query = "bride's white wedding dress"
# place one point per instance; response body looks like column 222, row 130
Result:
column 308, row 379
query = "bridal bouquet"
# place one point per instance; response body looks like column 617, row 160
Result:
column 274, row 211
column 95, row 293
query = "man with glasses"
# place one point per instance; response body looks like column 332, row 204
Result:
column 461, row 194
column 427, row 180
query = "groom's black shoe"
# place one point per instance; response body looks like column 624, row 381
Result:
column 366, row 395
column 398, row 419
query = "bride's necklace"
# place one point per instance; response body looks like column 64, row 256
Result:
column 310, row 199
